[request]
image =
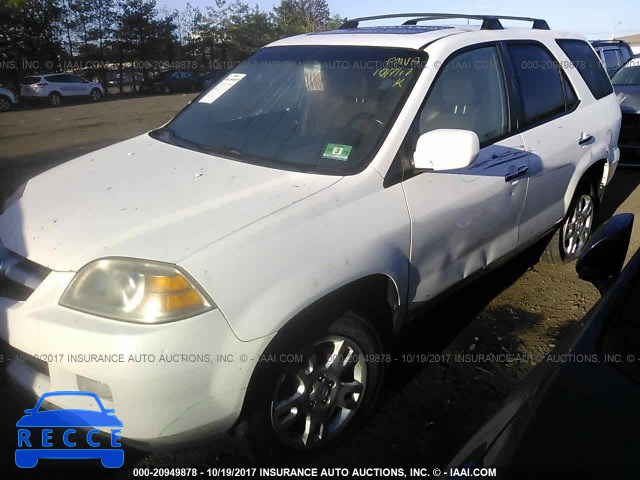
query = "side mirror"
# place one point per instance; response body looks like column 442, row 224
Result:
column 602, row 258
column 446, row 150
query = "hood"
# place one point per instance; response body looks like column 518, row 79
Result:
column 146, row 199
column 628, row 97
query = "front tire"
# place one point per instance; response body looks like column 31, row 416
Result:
column 323, row 396
column 576, row 228
column 95, row 95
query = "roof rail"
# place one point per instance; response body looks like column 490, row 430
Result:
column 489, row 22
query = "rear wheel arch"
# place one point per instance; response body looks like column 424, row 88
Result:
column 594, row 176
column 6, row 103
column 581, row 217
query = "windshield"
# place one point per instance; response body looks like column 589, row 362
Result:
column 629, row 74
column 322, row 109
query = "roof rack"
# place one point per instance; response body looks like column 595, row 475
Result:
column 489, row 22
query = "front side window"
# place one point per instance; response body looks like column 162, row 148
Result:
column 322, row 109
column 540, row 81
column 469, row 94
column 629, row 74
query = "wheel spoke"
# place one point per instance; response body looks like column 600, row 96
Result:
column 338, row 361
column 313, row 429
column 286, row 411
column 349, row 395
column 312, row 364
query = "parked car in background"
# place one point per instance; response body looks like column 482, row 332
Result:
column 576, row 415
column 209, row 79
column 171, row 81
column 626, row 83
column 125, row 79
column 338, row 200
column 612, row 53
column 8, row 99
column 55, row 87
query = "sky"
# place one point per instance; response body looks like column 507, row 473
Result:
column 596, row 19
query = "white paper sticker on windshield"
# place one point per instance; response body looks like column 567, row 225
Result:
column 313, row 78
column 223, row 87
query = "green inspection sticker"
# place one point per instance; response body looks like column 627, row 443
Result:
column 337, row 152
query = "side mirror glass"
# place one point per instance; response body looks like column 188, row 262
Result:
column 602, row 258
column 446, row 149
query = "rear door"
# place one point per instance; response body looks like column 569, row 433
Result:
column 465, row 219
column 60, row 83
column 552, row 136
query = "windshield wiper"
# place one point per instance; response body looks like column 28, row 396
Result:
column 168, row 135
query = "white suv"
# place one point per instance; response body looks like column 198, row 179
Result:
column 252, row 260
column 56, row 86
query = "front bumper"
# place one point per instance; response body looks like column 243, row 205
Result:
column 172, row 381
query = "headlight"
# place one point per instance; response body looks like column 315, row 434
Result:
column 135, row 291
column 14, row 197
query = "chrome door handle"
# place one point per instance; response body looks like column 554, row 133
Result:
column 585, row 138
column 522, row 169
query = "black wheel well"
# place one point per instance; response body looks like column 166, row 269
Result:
column 594, row 176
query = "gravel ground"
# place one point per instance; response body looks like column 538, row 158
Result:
column 433, row 401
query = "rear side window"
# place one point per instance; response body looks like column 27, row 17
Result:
column 57, row 78
column 589, row 66
column 30, row 80
column 611, row 58
column 540, row 81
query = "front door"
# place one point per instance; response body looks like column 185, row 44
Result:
column 465, row 219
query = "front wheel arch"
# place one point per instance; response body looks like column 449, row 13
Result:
column 375, row 297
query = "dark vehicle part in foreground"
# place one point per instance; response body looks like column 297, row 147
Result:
column 577, row 413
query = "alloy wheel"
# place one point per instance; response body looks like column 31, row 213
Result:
column 577, row 228
column 320, row 396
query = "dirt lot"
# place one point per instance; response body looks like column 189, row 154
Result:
column 429, row 408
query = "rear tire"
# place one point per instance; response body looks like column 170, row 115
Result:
column 321, row 398
column 55, row 99
column 576, row 228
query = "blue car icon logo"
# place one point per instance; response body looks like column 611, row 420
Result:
column 35, row 432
